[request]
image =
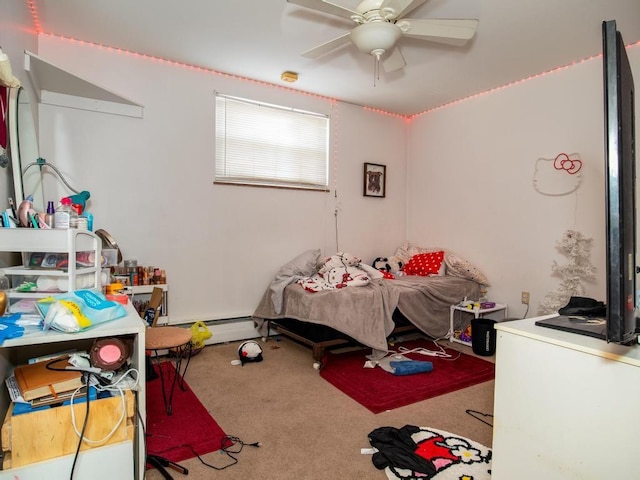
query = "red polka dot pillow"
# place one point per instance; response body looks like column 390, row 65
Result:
column 425, row 264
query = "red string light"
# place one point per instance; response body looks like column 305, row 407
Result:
column 31, row 5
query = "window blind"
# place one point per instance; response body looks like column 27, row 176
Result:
column 263, row 144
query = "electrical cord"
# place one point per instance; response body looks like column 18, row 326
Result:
column 229, row 445
column 440, row 352
column 425, row 351
column 86, row 379
column 108, row 435
column 100, row 385
column 480, row 416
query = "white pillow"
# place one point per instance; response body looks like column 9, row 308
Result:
column 303, row 265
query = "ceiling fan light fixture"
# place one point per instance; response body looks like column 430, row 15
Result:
column 375, row 36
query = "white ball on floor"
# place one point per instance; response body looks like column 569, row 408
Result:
column 236, row 362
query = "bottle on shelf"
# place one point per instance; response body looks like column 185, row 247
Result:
column 65, row 215
column 49, row 218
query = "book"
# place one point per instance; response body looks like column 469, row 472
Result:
column 35, row 380
column 64, row 398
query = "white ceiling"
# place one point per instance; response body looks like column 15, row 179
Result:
column 260, row 39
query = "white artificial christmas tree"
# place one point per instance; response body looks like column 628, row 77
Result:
column 576, row 247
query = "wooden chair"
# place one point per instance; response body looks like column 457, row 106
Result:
column 176, row 341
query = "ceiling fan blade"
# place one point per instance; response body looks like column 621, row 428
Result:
column 401, row 7
column 327, row 47
column 326, row 7
column 441, row 30
column 394, row 61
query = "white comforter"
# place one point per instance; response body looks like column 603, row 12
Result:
column 339, row 271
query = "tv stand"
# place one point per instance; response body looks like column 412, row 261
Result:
column 566, row 405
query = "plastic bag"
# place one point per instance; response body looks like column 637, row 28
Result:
column 76, row 311
column 199, row 333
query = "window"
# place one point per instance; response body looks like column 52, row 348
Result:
column 261, row 144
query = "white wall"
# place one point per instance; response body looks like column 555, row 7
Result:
column 470, row 182
column 15, row 38
column 151, row 181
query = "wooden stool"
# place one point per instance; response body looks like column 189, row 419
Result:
column 178, row 342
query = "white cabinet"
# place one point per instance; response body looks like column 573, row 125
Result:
column 52, row 247
column 19, row 350
column 125, row 460
column 566, row 405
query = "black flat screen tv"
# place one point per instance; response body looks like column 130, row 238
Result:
column 620, row 325
column 620, row 175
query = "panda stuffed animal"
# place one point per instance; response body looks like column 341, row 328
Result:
column 391, row 264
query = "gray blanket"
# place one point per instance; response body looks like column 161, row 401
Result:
column 364, row 313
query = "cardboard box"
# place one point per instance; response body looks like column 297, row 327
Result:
column 41, row 435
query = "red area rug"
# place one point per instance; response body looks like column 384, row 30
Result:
column 379, row 390
column 190, row 425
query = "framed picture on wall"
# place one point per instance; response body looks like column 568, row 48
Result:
column 375, row 179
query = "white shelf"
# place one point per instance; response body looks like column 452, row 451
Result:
column 54, row 241
column 49, row 240
column 145, row 290
column 85, row 468
column 56, row 86
column 475, row 312
column 131, row 324
column 15, row 351
column 30, row 272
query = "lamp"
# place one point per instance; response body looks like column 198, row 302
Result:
column 375, row 38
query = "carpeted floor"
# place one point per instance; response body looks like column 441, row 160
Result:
column 308, row 430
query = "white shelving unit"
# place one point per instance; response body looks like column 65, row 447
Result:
column 458, row 323
column 68, row 242
column 124, row 460
column 143, row 293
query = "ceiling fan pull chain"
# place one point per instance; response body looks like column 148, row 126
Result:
column 376, row 67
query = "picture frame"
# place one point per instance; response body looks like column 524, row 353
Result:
column 375, row 180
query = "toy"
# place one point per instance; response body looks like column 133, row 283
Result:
column 465, row 336
column 392, row 264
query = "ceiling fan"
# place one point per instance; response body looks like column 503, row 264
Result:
column 381, row 23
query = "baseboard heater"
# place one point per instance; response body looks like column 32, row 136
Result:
column 231, row 330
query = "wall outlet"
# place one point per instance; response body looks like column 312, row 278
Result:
column 525, row 298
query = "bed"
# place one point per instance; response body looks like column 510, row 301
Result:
column 367, row 314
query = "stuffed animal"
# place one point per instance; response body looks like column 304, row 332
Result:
column 392, row 264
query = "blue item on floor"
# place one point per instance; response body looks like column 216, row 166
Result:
column 409, row 367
